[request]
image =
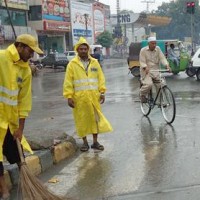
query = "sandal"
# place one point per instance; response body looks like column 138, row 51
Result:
column 6, row 197
column 84, row 147
column 97, row 146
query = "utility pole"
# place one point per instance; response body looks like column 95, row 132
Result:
column 118, row 7
column 190, row 8
column 118, row 32
column 148, row 2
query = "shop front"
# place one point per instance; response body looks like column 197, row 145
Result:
column 51, row 20
column 18, row 14
column 52, row 37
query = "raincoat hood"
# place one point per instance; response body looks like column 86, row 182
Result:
column 81, row 41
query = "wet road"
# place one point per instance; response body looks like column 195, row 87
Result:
column 144, row 158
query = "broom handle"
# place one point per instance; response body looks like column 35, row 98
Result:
column 20, row 151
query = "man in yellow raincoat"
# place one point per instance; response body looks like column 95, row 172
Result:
column 84, row 87
column 15, row 99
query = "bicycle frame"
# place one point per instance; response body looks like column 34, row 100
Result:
column 153, row 101
column 166, row 100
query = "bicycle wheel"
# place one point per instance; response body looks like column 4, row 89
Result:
column 168, row 105
column 146, row 107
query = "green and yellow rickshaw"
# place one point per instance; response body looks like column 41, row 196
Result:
column 182, row 54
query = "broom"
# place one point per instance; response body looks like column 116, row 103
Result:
column 30, row 186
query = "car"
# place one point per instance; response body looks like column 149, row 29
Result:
column 70, row 55
column 54, row 60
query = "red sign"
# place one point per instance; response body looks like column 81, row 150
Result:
column 57, row 26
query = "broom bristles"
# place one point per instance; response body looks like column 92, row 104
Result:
column 32, row 188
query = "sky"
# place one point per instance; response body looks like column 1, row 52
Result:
column 135, row 5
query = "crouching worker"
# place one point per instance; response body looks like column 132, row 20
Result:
column 15, row 99
column 84, row 87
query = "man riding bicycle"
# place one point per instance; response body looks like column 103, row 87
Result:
column 150, row 58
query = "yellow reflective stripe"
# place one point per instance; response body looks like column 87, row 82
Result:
column 8, row 101
column 9, row 92
column 86, row 87
column 89, row 80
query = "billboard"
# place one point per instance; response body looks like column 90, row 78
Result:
column 81, row 21
column 55, row 10
column 108, row 25
column 99, row 19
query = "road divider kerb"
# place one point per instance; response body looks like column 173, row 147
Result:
column 40, row 161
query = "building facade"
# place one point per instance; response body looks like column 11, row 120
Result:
column 18, row 10
column 51, row 21
column 57, row 24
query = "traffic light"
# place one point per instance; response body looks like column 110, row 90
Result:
column 192, row 4
column 190, row 7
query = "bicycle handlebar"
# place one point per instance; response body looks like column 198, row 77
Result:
column 159, row 70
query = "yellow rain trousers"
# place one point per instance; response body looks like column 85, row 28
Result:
column 85, row 88
column 15, row 93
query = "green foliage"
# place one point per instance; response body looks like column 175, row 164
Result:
column 105, row 39
column 180, row 25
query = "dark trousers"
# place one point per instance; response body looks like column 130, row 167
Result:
column 10, row 151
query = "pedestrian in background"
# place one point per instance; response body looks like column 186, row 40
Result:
column 96, row 55
column 172, row 55
column 84, row 87
column 15, row 99
column 150, row 58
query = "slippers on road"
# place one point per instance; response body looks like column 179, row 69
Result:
column 97, row 146
column 85, row 147
column 6, row 197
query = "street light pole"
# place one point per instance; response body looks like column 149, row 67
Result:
column 192, row 33
column 86, row 24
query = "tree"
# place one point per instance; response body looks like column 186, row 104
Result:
column 180, row 25
column 105, row 39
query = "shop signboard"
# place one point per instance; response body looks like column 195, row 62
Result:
column 99, row 19
column 81, row 21
column 55, row 10
column 56, row 26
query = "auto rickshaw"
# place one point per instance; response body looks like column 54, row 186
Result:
column 184, row 57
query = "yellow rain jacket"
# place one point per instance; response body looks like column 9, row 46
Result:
column 85, row 88
column 15, row 93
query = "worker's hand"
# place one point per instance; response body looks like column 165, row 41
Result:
column 102, row 98
column 146, row 70
column 168, row 68
column 18, row 134
column 71, row 103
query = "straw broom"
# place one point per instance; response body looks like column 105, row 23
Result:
column 30, row 186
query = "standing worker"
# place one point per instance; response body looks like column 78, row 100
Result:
column 150, row 58
column 84, row 87
column 15, row 99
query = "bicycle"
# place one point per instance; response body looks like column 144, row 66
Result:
column 164, row 99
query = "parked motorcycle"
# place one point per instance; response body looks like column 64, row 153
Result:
column 35, row 66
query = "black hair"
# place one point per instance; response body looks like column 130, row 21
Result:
column 20, row 44
column 172, row 45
